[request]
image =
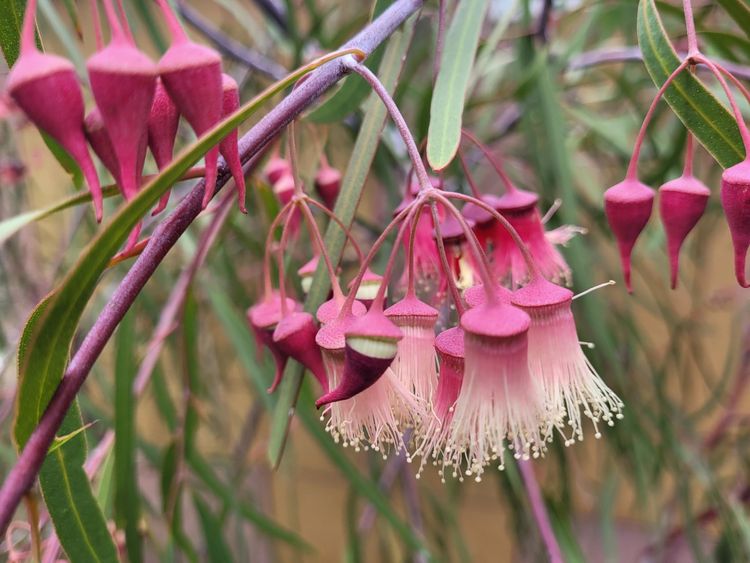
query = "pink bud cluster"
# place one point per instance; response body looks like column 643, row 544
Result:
column 138, row 103
column 506, row 377
column 628, row 204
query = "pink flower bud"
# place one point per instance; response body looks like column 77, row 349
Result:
column 263, row 319
column 192, row 75
column 228, row 146
column 628, row 209
column 682, row 202
column 123, row 80
column 328, row 184
column 163, row 121
column 735, row 199
column 276, row 168
column 294, row 337
column 46, row 88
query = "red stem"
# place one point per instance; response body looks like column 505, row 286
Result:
column 175, row 29
column 340, row 223
column 539, row 510
column 455, row 294
column 28, row 41
column 690, row 27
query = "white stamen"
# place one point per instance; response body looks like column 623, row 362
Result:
column 601, row 285
column 556, row 205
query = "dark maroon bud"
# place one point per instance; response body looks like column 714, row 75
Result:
column 163, row 122
column 371, row 346
column 735, row 199
column 682, row 202
column 192, row 75
column 628, row 209
column 295, row 337
column 46, row 88
column 123, row 80
column 263, row 318
column 228, row 146
column 328, row 184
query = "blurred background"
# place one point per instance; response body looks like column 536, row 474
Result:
column 559, row 90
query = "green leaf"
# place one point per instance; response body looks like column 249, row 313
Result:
column 740, row 12
column 446, row 111
column 127, row 495
column 213, row 533
column 12, row 225
column 708, row 119
column 11, row 21
column 346, row 205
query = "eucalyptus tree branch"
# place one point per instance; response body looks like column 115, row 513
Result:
column 22, row 476
column 229, row 47
column 275, row 12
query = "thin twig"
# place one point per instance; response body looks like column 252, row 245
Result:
column 23, row 474
column 539, row 510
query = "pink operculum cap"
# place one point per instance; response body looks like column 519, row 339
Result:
column 500, row 406
column 192, row 75
column 228, row 146
column 628, row 209
column 328, row 184
column 275, row 168
column 369, row 287
column 449, row 346
column 366, row 420
column 46, row 88
column 735, row 199
column 294, row 337
column 123, row 80
column 371, row 346
column 682, row 202
column 163, row 121
column 415, row 364
column 476, row 295
column 263, row 318
column 556, row 360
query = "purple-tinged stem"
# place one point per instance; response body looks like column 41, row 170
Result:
column 28, row 41
column 396, row 116
column 632, row 172
column 540, row 511
column 22, row 476
column 320, row 243
column 455, row 294
column 690, row 28
column 340, row 223
column 687, row 169
column 267, row 285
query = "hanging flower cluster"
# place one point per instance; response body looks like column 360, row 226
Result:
column 507, row 377
column 138, row 103
column 683, row 200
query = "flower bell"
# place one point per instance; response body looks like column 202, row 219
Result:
column 500, row 405
column 628, row 209
column 263, row 318
column 682, row 202
column 294, row 336
column 735, row 199
column 415, row 364
column 365, row 420
column 556, row 360
column 476, row 295
column 449, row 346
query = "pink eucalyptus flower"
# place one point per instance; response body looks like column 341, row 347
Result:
column 570, row 382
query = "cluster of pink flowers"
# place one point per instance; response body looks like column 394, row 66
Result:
column 138, row 103
column 508, row 376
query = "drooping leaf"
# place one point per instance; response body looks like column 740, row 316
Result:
column 346, row 204
column 447, row 107
column 127, row 495
column 11, row 20
column 708, row 119
column 213, row 533
column 12, row 225
column 740, row 12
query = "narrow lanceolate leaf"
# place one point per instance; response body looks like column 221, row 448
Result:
column 47, row 339
column 213, row 533
column 447, row 107
column 740, row 12
column 346, row 204
column 77, row 517
column 127, row 497
column 708, row 119
column 12, row 225
column 11, row 19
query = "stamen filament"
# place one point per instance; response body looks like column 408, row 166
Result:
column 591, row 289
